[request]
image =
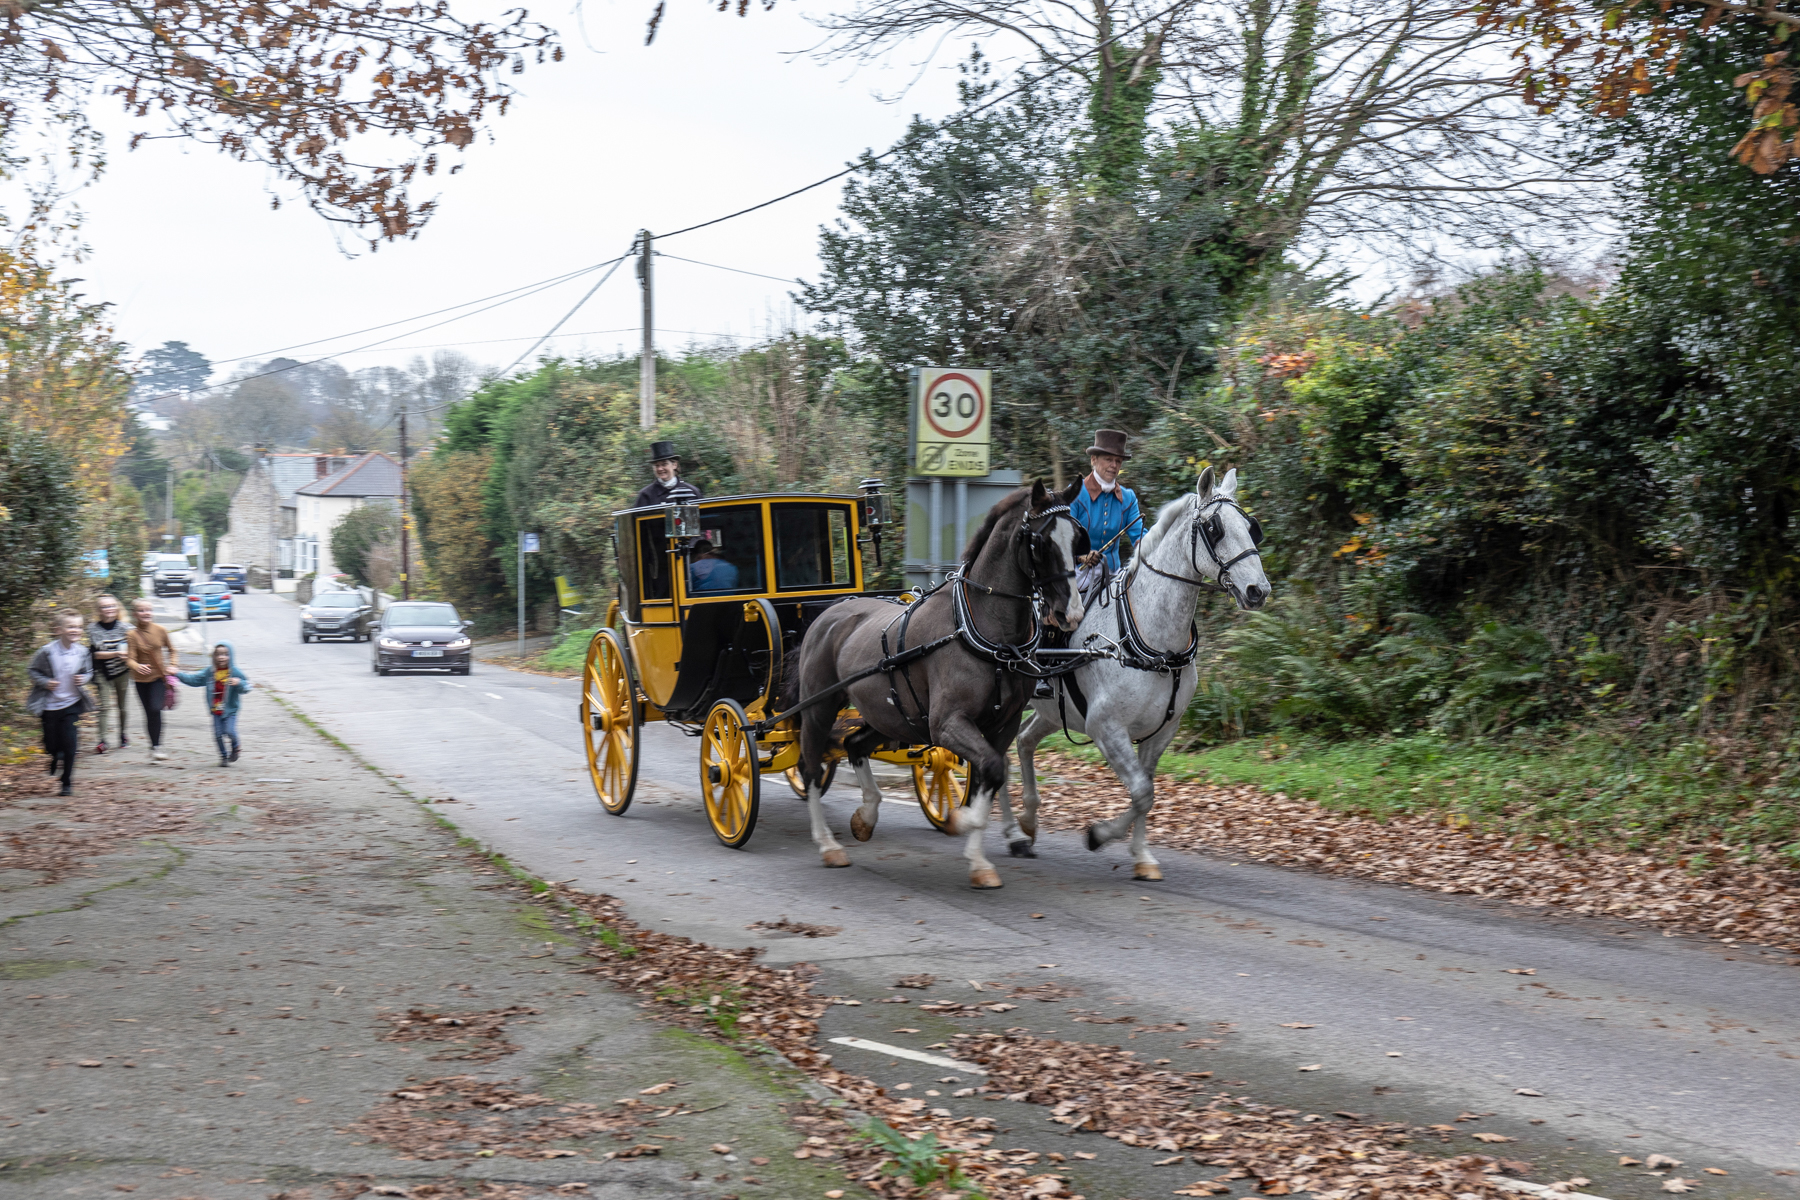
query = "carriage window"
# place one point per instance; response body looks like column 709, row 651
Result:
column 653, row 553
column 729, row 555
column 812, row 546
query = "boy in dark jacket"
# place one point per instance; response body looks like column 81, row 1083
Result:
column 225, row 685
column 58, row 673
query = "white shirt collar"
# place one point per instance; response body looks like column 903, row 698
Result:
column 1105, row 486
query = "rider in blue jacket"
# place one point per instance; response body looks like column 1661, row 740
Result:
column 1104, row 506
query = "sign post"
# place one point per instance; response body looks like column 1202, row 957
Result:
column 951, row 435
column 528, row 544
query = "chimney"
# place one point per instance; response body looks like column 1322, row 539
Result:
column 321, row 466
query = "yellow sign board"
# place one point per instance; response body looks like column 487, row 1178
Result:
column 953, row 413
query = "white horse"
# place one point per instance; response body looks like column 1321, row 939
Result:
column 1202, row 541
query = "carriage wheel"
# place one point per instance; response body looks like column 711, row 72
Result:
column 795, row 782
column 609, row 721
column 730, row 781
column 941, row 784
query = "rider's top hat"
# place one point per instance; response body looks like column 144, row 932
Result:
column 662, row 450
column 1109, row 441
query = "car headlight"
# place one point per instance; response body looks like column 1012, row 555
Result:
column 391, row 644
column 458, row 644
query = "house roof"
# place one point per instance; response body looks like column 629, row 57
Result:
column 291, row 472
column 373, row 474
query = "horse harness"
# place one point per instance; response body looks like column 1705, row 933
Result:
column 1132, row 650
column 1017, row 657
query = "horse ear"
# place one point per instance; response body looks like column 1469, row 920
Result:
column 1205, row 486
column 1069, row 493
column 1228, row 486
column 1040, row 498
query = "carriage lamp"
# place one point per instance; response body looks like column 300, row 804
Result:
column 681, row 521
column 874, row 505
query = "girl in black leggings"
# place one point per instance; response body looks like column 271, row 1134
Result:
column 153, row 696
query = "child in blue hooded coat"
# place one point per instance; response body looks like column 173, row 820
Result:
column 225, row 685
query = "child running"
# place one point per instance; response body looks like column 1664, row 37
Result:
column 225, row 685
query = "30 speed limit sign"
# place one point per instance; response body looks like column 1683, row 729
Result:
column 954, row 407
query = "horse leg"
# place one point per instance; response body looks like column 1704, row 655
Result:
column 987, row 775
column 862, row 821
column 1019, row 840
column 814, row 737
column 1009, row 829
column 1121, row 755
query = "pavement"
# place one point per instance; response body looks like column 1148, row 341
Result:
column 1582, row 1041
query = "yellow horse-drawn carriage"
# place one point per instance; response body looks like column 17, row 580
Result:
column 714, row 598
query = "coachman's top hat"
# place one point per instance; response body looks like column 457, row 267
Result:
column 1109, row 441
column 662, row 450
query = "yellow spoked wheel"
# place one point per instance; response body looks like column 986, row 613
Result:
column 799, row 786
column 729, row 779
column 609, row 721
column 941, row 783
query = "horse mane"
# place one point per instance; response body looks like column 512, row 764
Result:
column 1160, row 530
column 979, row 538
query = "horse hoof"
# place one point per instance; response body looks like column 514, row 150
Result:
column 1021, row 849
column 1093, row 839
column 1148, row 872
column 985, row 878
column 1028, row 827
column 860, row 829
column 835, row 858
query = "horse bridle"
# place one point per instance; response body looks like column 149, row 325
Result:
column 1211, row 530
column 1031, row 541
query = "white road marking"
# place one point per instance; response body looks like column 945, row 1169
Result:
column 1538, row 1189
column 902, row 1052
column 447, row 683
column 491, row 696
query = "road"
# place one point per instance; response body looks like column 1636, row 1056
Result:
column 1638, row 1043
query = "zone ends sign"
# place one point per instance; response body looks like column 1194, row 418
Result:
column 953, row 410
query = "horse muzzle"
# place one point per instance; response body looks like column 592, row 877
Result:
column 1066, row 620
column 1252, row 597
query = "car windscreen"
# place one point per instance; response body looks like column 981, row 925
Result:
column 212, row 589
column 336, row 600
column 421, row 614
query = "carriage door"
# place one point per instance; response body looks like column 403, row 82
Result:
column 656, row 634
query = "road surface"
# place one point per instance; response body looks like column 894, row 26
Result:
column 1627, row 1043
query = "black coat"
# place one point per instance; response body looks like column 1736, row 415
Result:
column 679, row 492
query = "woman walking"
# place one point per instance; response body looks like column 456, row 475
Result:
column 112, row 678
column 58, row 672
column 151, row 657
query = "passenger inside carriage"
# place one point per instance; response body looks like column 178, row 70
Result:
column 707, row 572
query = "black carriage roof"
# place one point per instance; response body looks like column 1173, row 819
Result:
column 709, row 501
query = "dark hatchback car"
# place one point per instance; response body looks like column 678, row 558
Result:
column 337, row 615
column 419, row 636
column 233, row 574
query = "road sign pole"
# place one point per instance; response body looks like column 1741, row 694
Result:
column 521, row 590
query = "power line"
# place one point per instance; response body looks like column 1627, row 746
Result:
column 717, row 267
column 958, row 119
column 570, row 313
column 389, row 324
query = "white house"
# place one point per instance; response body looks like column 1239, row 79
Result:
column 372, row 478
column 263, row 509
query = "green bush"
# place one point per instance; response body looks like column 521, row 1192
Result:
column 40, row 527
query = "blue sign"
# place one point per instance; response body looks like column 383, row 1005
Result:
column 190, row 543
column 97, row 565
column 528, row 543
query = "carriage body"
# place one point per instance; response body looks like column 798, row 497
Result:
column 701, row 642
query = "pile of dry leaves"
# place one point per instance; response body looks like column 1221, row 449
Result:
column 1756, row 902
column 1107, row 1090
column 460, row 1116
column 473, row 1036
column 70, row 831
column 1089, row 1087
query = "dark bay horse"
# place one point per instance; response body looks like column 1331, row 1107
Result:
column 948, row 682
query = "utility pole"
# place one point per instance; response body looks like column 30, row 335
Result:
column 405, row 561
column 647, row 361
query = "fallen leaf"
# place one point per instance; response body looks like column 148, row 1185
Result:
column 1625, row 1160
column 559, row 1153
column 388, row 1189
column 1680, row 1185
column 1085, row 1154
column 1314, row 1067
column 1521, row 970
column 1492, row 1137
column 1526, row 1092
column 1170, row 1161
column 1714, row 1171
column 759, row 1161
column 719, row 1148
column 1204, row 1187
column 1661, row 1162
column 1298, row 1025
column 659, row 1088
column 903, row 1029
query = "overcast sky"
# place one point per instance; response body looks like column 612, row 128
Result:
column 713, row 117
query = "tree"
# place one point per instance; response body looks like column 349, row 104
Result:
column 40, row 524
column 172, row 369
column 304, row 87
column 446, row 497
column 262, row 411
column 359, row 535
